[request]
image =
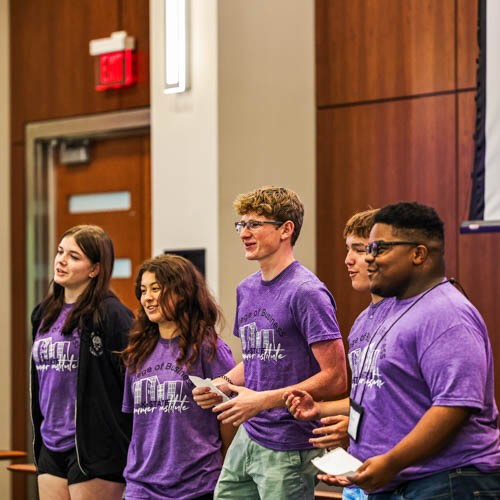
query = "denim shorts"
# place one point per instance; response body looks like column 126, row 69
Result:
column 353, row 493
column 463, row 483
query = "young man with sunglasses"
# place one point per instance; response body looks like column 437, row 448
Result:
column 423, row 413
column 290, row 339
column 334, row 414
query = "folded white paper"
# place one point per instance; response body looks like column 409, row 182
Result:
column 206, row 382
column 337, row 462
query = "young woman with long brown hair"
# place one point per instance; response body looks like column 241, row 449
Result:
column 80, row 434
column 177, row 448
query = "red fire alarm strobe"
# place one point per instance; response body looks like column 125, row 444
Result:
column 115, row 61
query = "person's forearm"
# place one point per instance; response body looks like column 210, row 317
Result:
column 227, row 433
column 331, row 408
column 237, row 374
column 315, row 386
column 434, row 431
column 326, row 385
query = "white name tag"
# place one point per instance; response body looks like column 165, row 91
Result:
column 355, row 416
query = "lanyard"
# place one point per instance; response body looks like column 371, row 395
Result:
column 353, row 398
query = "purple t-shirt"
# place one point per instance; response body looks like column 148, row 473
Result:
column 175, row 448
column 56, row 362
column 430, row 350
column 277, row 321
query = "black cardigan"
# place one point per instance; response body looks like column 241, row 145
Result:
column 102, row 430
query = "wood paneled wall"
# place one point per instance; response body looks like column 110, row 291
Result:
column 395, row 120
column 52, row 76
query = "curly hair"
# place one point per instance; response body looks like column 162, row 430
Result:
column 360, row 224
column 276, row 203
column 185, row 299
column 96, row 244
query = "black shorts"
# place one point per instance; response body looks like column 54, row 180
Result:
column 64, row 464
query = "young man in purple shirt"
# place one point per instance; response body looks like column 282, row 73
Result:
column 290, row 339
column 422, row 398
column 333, row 415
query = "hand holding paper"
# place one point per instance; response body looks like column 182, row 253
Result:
column 206, row 382
column 337, row 462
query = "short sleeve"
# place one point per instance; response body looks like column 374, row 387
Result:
column 454, row 367
column 222, row 362
column 313, row 309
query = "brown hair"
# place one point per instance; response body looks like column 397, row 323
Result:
column 278, row 203
column 186, row 299
column 96, row 244
column 360, row 224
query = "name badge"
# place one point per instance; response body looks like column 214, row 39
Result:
column 355, row 417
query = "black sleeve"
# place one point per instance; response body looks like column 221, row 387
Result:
column 118, row 321
column 36, row 319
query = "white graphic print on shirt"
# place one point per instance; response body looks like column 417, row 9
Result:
column 365, row 359
column 260, row 344
column 151, row 394
column 53, row 355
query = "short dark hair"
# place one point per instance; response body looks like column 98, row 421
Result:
column 412, row 217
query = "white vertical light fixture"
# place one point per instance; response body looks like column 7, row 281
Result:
column 176, row 46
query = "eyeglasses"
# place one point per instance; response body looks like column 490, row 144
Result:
column 251, row 225
column 379, row 246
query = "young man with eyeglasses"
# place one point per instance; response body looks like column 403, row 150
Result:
column 425, row 417
column 290, row 339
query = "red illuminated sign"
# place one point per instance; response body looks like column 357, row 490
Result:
column 115, row 61
column 115, row 70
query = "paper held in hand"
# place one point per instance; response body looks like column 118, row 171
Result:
column 337, row 462
column 206, row 382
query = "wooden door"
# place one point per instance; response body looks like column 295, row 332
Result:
column 112, row 191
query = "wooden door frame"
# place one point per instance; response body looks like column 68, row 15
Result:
column 40, row 135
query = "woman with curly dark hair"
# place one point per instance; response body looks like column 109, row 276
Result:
column 177, row 448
